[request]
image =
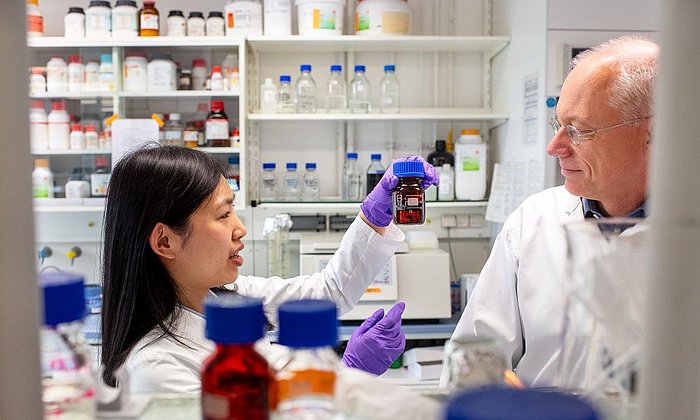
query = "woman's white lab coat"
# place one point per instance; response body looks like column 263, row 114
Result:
column 160, row 364
column 519, row 296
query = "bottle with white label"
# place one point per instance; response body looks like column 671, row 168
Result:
column 76, row 74
column 77, row 138
column 125, row 19
column 285, row 97
column 92, row 76
column 470, row 166
column 92, row 139
column 216, row 80
column 74, row 23
column 268, row 97
column 99, row 180
column 216, row 126
column 290, row 188
column 196, row 25
column 310, row 190
column 306, row 91
column 56, row 75
column 173, row 130
column 278, row 17
column 446, row 190
column 244, row 17
column 42, row 179
column 59, row 127
column 268, row 182
column 38, row 126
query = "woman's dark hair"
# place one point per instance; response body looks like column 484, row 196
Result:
column 153, row 184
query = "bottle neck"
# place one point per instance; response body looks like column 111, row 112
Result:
column 234, row 349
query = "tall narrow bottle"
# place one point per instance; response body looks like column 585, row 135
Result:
column 291, row 190
column 352, row 179
column 306, row 91
column 389, row 94
column 268, row 184
column 336, row 95
column 375, row 171
column 285, row 96
column 309, row 188
column 360, row 92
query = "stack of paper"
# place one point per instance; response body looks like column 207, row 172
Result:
column 425, row 363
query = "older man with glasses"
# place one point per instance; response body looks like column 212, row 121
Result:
column 602, row 139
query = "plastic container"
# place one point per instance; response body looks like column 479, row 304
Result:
column 470, row 166
column 306, row 384
column 199, row 73
column 98, row 20
column 74, row 23
column 99, row 180
column 68, row 385
column 216, row 80
column 408, row 198
column 244, row 17
column 389, row 92
column 76, row 74
column 235, row 378
column 135, row 73
column 162, row 73
column 91, row 137
column 285, row 97
column 229, row 67
column 352, row 179
column 291, row 190
column 92, row 76
column 196, row 24
column 360, row 99
column 446, row 189
column 42, row 179
column 77, row 137
column 375, row 171
column 336, row 92
column 125, row 19
column 38, row 126
column 320, row 17
column 35, row 20
column 37, row 81
column 56, row 75
column 268, row 184
column 383, row 17
column 77, row 187
column 215, row 24
column 176, row 24
column 268, row 97
column 310, row 190
column 59, row 127
column 233, row 173
column 106, row 75
column 277, row 17
column 305, row 88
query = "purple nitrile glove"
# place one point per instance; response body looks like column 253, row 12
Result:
column 375, row 344
column 377, row 205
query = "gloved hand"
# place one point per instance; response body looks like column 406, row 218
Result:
column 376, row 343
column 377, row 205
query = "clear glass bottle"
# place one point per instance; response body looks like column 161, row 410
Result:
column 336, row 95
column 310, row 190
column 67, row 380
column 389, row 93
column 306, row 91
column 291, row 190
column 268, row 97
column 352, row 179
column 173, row 130
column 375, row 171
column 268, row 182
column 305, row 385
column 408, row 198
column 360, row 92
column 190, row 135
column 285, row 97
column 235, row 378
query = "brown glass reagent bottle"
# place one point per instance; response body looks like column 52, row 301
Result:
column 408, row 198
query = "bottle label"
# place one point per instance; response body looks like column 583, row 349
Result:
column 318, row 383
column 190, row 135
column 361, row 22
column 35, row 24
column 149, row 21
column 216, row 129
column 124, row 22
column 470, row 163
column 214, row 406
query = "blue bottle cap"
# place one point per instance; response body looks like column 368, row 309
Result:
column 406, row 168
column 376, row 156
column 389, row 67
column 285, row 78
column 269, row 165
column 105, row 58
column 64, row 297
column 352, row 155
column 308, row 323
column 234, row 319
column 234, row 160
column 292, row 165
column 359, row 68
column 305, row 67
column 310, row 165
column 336, row 67
column 507, row 403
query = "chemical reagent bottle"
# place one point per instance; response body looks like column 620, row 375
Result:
column 306, row 91
column 235, row 378
column 360, row 92
column 352, row 179
column 389, row 94
column 409, row 196
column 375, row 171
column 268, row 97
column 268, row 182
column 336, row 95
column 291, row 183
column 310, row 189
column 285, row 97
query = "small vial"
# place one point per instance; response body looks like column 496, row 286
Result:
column 268, row 184
column 408, row 198
column 235, row 378
column 305, row 385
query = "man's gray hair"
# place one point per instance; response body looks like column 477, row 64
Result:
column 634, row 59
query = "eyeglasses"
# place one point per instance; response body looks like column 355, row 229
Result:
column 576, row 136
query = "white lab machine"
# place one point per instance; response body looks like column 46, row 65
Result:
column 419, row 278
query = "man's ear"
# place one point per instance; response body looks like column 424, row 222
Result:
column 164, row 241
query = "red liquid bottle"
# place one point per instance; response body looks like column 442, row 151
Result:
column 408, row 198
column 235, row 378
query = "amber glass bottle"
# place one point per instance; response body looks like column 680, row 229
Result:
column 149, row 19
column 409, row 195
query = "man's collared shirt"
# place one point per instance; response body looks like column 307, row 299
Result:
column 592, row 210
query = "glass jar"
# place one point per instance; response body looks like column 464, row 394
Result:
column 149, row 23
column 185, row 81
column 176, row 23
column 408, row 198
column 196, row 24
column 190, row 135
column 216, row 127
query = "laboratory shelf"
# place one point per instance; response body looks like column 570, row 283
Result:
column 71, row 95
column 138, row 42
column 181, row 94
column 72, row 205
column 71, row 152
column 338, row 206
column 354, row 43
column 407, row 114
column 219, row 150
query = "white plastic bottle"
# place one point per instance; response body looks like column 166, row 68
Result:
column 162, row 73
column 37, row 81
column 98, row 20
column 42, row 179
column 268, row 184
column 76, row 74
column 74, row 23
column 446, row 189
column 106, row 76
column 285, row 97
column 59, row 127
column 56, row 75
column 470, row 166
column 244, row 17
column 310, row 190
column 278, row 17
column 216, row 80
column 77, row 138
column 35, row 21
column 125, row 19
column 92, row 139
column 38, row 126
column 389, row 93
column 268, row 97
column 360, row 92
column 229, row 68
column 291, row 190
column 92, row 76
column 352, row 179
column 336, row 94
column 306, row 91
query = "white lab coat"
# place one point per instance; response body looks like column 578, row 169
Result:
column 160, row 364
column 519, row 296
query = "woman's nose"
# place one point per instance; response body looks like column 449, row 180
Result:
column 239, row 230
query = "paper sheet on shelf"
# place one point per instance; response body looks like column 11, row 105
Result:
column 512, row 182
column 130, row 134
